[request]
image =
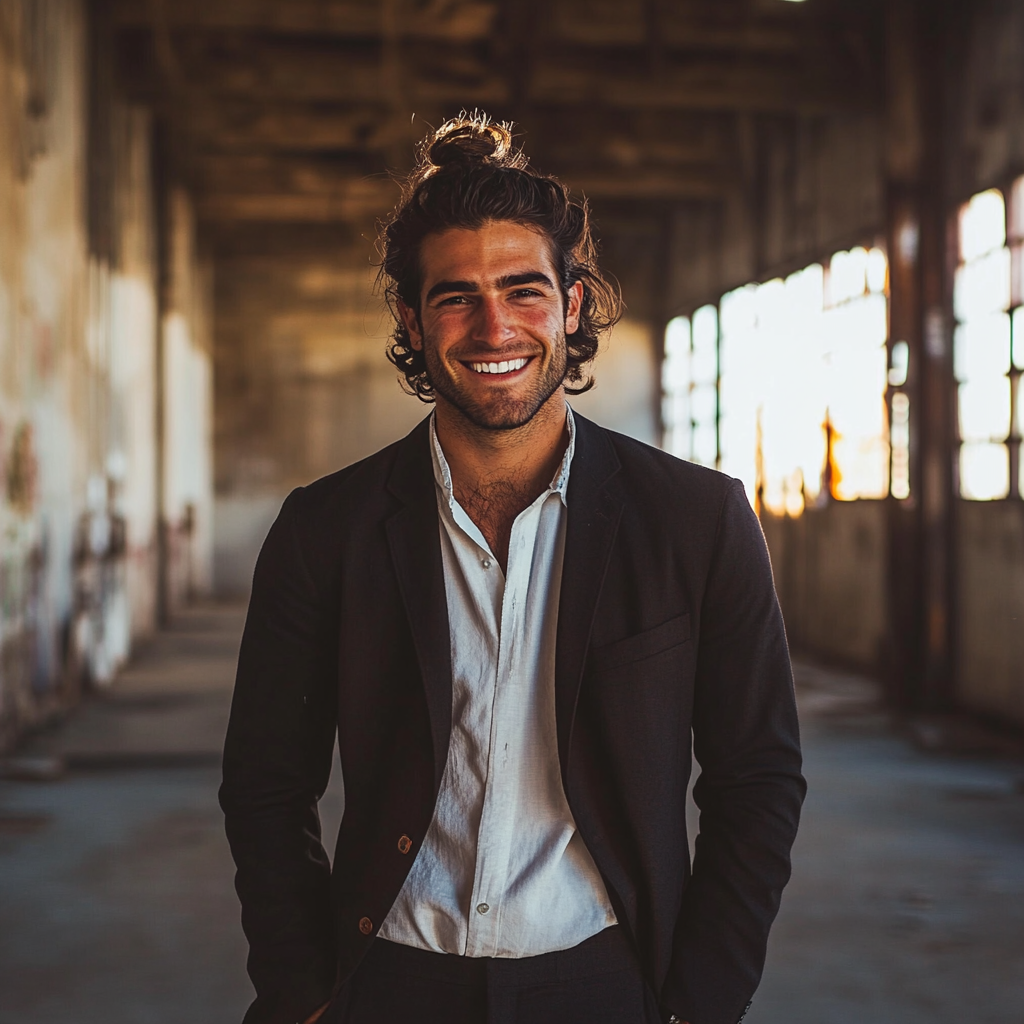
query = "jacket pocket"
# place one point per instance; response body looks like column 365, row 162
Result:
column 643, row 645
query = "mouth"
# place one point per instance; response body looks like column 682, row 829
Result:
column 498, row 368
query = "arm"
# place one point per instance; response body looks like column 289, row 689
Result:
column 277, row 762
column 750, row 788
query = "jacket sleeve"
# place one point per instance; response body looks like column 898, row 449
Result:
column 750, row 788
column 277, row 762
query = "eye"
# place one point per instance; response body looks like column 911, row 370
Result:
column 453, row 300
column 526, row 293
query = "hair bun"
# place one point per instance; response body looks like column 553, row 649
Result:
column 472, row 138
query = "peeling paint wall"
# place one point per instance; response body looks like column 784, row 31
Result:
column 79, row 341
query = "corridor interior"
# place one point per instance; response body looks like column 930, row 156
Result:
column 815, row 212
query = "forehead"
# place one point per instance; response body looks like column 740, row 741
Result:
column 483, row 254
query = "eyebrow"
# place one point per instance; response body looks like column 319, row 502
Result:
column 508, row 281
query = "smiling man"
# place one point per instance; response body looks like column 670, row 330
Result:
column 521, row 627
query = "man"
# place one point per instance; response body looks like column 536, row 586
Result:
column 514, row 621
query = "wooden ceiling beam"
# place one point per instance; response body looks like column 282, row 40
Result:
column 354, row 19
column 719, row 27
column 356, row 200
column 316, row 175
column 261, row 69
column 362, row 199
column 241, row 125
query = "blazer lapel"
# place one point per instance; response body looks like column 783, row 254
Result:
column 593, row 521
column 416, row 553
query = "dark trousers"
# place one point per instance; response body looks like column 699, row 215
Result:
column 597, row 982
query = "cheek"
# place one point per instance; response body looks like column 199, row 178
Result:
column 543, row 323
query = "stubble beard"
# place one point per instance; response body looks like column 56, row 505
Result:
column 502, row 412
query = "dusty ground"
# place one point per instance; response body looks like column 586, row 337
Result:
column 116, row 905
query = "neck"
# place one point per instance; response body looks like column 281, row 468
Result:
column 524, row 458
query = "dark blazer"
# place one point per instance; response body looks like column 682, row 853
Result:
column 668, row 622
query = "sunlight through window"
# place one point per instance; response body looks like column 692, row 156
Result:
column 675, row 386
column 690, row 387
column 984, row 347
column 803, row 380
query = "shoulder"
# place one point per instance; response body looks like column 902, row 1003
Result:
column 341, row 507
column 652, row 475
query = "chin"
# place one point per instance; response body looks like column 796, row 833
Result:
column 505, row 414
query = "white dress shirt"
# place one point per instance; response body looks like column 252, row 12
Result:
column 502, row 871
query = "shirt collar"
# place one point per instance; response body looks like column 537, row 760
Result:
column 443, row 475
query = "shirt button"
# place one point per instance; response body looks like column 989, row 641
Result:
column 404, row 844
column 486, row 563
column 365, row 925
column 482, row 908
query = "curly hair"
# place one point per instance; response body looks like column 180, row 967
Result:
column 468, row 173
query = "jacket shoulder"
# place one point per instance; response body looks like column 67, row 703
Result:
column 646, row 468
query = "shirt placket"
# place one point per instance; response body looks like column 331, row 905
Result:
column 497, row 822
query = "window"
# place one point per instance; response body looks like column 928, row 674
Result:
column 690, row 387
column 801, row 378
column 987, row 357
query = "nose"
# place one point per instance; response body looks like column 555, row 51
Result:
column 492, row 324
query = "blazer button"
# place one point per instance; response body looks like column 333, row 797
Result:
column 404, row 844
column 365, row 925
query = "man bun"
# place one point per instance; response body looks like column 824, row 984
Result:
column 467, row 140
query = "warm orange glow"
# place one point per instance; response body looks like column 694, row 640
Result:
column 802, row 391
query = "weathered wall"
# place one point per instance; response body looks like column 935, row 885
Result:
column 79, row 375
column 830, row 569
column 186, row 414
column 990, row 673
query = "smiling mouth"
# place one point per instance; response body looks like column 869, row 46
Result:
column 505, row 366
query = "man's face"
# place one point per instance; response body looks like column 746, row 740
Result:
column 492, row 322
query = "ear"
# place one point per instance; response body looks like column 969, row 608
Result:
column 574, row 301
column 412, row 325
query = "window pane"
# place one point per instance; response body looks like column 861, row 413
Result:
column 982, row 225
column 739, row 310
column 677, row 336
column 985, row 409
column 981, row 348
column 982, row 286
column 900, row 446
column 847, row 277
column 704, row 365
column 705, row 445
column 899, row 364
column 984, row 471
column 704, row 404
column 675, row 371
column 675, row 411
column 705, row 327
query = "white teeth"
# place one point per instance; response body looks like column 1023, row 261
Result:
column 503, row 367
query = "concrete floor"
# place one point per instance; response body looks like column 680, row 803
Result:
column 116, row 904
